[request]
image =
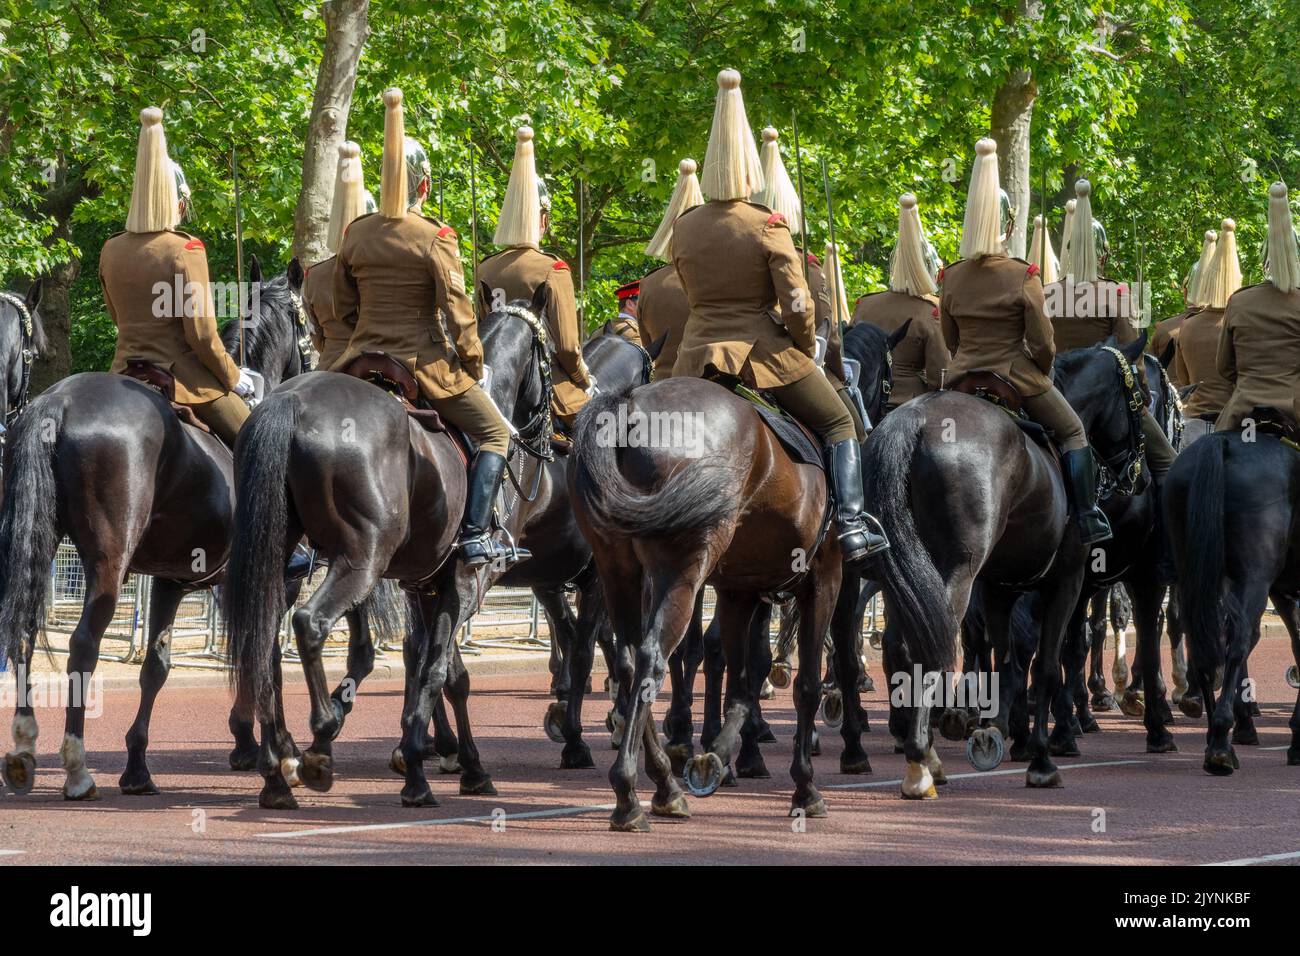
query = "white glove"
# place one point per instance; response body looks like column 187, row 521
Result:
column 591, row 386
column 244, row 387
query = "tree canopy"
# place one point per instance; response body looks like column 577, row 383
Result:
column 1180, row 112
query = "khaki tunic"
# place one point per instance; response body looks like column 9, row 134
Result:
column 827, row 328
column 1259, row 352
column 156, row 289
column 662, row 311
column 624, row 327
column 517, row 273
column 992, row 314
column 1164, row 334
column 921, row 357
column 328, row 334
column 752, row 315
column 1100, row 310
column 400, row 283
column 1196, row 362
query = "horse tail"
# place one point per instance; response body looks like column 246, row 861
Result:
column 694, row 498
column 253, row 598
column 386, row 610
column 917, row 594
column 1201, row 563
column 29, row 535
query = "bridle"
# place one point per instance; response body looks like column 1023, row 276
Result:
column 28, row 355
column 1172, row 410
column 305, row 348
column 533, row 438
column 1122, row 473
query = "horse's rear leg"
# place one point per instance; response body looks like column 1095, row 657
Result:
column 1251, row 598
column 582, row 654
column 715, row 666
column 734, row 615
column 165, row 600
column 1147, row 596
column 1288, row 609
column 679, row 726
column 845, row 633
column 816, row 601
column 20, row 763
column 474, row 780
column 1063, row 741
column 1060, row 599
column 758, row 662
column 361, row 661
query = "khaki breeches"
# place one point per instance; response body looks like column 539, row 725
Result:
column 814, row 402
column 224, row 416
column 474, row 414
column 1054, row 413
column 1160, row 454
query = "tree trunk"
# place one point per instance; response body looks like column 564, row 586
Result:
column 56, row 302
column 1013, row 109
column 346, row 30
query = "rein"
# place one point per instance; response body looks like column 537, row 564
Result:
column 534, row 436
column 11, row 415
column 1122, row 474
column 305, row 348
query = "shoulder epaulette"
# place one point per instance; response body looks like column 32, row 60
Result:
column 776, row 217
column 560, row 265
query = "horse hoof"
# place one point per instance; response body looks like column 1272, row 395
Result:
column 1193, row 707
column 780, row 674
column 553, row 722
column 765, row 735
column 243, row 759
column 1063, row 748
column 1090, row 726
column 480, row 786
column 813, row 807
column 952, row 724
column 1293, row 756
column 634, row 822
column 703, row 774
column 317, row 771
column 1246, row 736
column 1102, row 702
column 674, row 808
column 1076, row 727
column 276, row 800
column 918, row 784
column 397, row 763
column 1132, row 705
column 1043, row 779
column 1220, row 763
column 753, row 770
column 577, row 757
column 289, row 770
column 1293, row 676
column 448, row 764
column 139, row 788
column 678, row 754
column 858, row 763
column 985, row 749
column 832, row 709
column 767, row 691
column 424, row 798
column 1164, row 744
column 20, row 772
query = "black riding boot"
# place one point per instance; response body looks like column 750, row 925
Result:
column 301, row 563
column 858, row 540
column 476, row 544
column 1080, row 470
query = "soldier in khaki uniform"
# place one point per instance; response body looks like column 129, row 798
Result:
column 1259, row 350
column 752, row 317
column 177, row 329
column 329, row 335
column 993, row 317
column 662, row 307
column 921, row 357
column 625, row 323
column 518, row 271
column 1196, row 358
column 1164, row 335
column 399, row 281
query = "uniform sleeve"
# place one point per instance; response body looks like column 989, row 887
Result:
column 798, row 311
column 948, row 326
column 347, row 298
column 1038, row 327
column 562, row 310
column 936, row 356
column 1125, row 330
column 108, row 302
column 200, row 317
column 454, row 304
column 1227, row 358
column 313, row 324
column 1178, row 368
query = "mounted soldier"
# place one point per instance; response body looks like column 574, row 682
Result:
column 1164, row 335
column 398, row 279
column 351, row 200
column 1196, row 358
column 522, row 268
column 993, row 317
column 752, row 315
column 1259, row 348
column 662, row 308
column 1045, row 256
column 625, row 323
column 1065, row 265
column 175, row 331
column 920, row 359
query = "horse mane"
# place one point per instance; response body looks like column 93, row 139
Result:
column 865, row 339
column 40, row 342
column 278, row 317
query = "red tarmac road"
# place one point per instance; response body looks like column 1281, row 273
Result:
column 1119, row 804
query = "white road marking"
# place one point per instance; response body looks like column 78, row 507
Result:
column 1255, row 860
column 442, row 821
column 871, row 784
column 12, row 852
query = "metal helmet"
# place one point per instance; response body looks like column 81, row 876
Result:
column 1099, row 240
column 1006, row 213
column 417, row 169
column 369, row 199
column 183, row 193
column 543, row 195
column 932, row 261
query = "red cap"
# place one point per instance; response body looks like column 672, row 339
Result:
column 625, row 292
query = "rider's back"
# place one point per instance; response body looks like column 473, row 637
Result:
column 920, row 358
column 662, row 313
column 1197, row 363
column 1259, row 351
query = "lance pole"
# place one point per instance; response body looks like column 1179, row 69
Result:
column 798, row 169
column 473, row 224
column 836, row 272
column 239, row 250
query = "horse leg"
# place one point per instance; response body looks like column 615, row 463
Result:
column 559, row 615
column 758, row 661
column 474, row 780
column 1250, row 598
column 361, row 661
column 1289, row 610
column 1247, row 705
column 166, row 598
column 845, row 633
column 420, row 698
column 1062, row 742
column 582, row 654
column 1096, row 630
column 715, row 664
column 20, row 763
column 1189, row 701
column 1059, row 605
column 668, row 800
column 277, row 760
column 816, row 601
column 1148, row 595
column 734, row 613
column 344, row 588
column 682, row 665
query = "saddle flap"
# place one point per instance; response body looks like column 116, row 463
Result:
column 381, row 369
column 154, row 376
column 1275, row 421
column 989, row 385
column 799, row 442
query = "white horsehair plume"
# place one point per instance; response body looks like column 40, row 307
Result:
column 981, row 233
column 778, row 193
column 154, row 201
column 1202, row 268
column 520, row 222
column 1050, row 266
column 686, row 195
column 1283, row 260
column 1064, row 266
column 908, row 272
column 392, row 183
column 1224, row 275
column 732, row 169
column 1083, row 246
column 349, row 200
column 834, row 273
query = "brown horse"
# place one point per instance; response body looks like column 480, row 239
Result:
column 702, row 494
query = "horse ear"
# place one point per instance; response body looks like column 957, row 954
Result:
column 541, row 295
column 294, row 274
column 33, row 298
column 898, row 334
column 1133, row 351
column 485, row 296
column 254, row 271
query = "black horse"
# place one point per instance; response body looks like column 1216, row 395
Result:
column 22, row 339
column 1232, row 505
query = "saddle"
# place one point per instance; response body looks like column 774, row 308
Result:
column 795, row 437
column 1274, row 421
column 383, row 371
column 164, row 383
column 989, row 385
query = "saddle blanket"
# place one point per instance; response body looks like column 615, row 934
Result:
column 797, row 442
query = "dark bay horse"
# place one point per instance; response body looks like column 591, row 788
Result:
column 714, row 499
column 1233, row 507
column 105, row 460
column 22, row 339
column 380, row 497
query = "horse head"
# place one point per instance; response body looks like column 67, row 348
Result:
column 518, row 352
column 274, row 334
column 1103, row 386
column 870, row 346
